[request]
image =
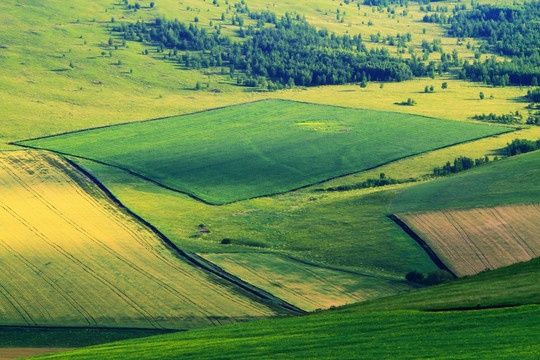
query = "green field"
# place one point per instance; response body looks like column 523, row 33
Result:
column 375, row 329
column 510, row 333
column 508, row 286
column 508, row 181
column 348, row 229
column 307, row 286
column 262, row 148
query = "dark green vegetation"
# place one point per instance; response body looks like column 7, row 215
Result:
column 381, row 181
column 289, row 52
column 460, row 164
column 508, row 181
column 513, row 32
column 347, row 335
column 522, row 146
column 262, row 148
column 66, row 337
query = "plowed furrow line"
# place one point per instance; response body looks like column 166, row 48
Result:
column 465, row 236
column 514, row 234
column 39, row 273
column 89, row 271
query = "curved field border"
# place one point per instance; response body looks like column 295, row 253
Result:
column 192, row 258
column 195, row 197
column 433, row 256
column 471, row 240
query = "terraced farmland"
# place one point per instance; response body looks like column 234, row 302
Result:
column 72, row 257
column 261, row 148
column 306, row 286
column 469, row 241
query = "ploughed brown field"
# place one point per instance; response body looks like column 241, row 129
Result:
column 471, row 240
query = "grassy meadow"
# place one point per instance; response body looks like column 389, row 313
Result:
column 488, row 334
column 307, row 286
column 337, row 229
column 508, row 181
column 226, row 155
column 391, row 327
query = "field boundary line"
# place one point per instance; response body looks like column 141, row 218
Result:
column 52, row 327
column 434, row 257
column 193, row 259
column 138, row 121
column 195, row 197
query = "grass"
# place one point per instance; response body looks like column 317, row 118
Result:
column 348, row 229
column 72, row 257
column 489, row 334
column 15, row 337
column 508, row 181
column 262, row 148
column 306, row 286
column 391, row 327
column 508, row 286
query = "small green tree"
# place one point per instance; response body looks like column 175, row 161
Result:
column 415, row 276
column 198, row 86
column 481, row 95
column 444, row 85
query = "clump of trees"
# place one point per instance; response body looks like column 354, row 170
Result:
column 460, row 164
column 521, row 146
column 432, row 278
column 500, row 119
column 289, row 53
column 534, row 95
column 409, row 102
column 381, row 181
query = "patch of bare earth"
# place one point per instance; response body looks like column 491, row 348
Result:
column 22, row 352
column 471, row 240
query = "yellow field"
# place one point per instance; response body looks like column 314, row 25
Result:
column 306, row 286
column 71, row 257
column 469, row 241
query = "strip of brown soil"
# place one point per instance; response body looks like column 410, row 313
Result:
column 22, row 352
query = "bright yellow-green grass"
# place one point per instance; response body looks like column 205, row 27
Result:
column 348, row 229
column 304, row 285
column 71, row 257
column 42, row 94
column 509, row 333
column 262, row 148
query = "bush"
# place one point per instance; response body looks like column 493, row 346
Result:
column 415, row 276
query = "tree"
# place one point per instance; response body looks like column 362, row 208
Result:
column 415, row 276
column 137, row 6
column 431, row 88
column 444, row 85
column 152, row 4
column 481, row 95
column 198, row 86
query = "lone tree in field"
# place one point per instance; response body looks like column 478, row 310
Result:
column 481, row 95
column 444, row 85
column 415, row 276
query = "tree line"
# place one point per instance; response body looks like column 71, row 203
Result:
column 510, row 31
column 291, row 52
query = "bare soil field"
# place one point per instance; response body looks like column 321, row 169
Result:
column 471, row 240
column 72, row 257
column 23, row 352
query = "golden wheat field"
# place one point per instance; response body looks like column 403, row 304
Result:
column 471, row 240
column 72, row 257
column 304, row 285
